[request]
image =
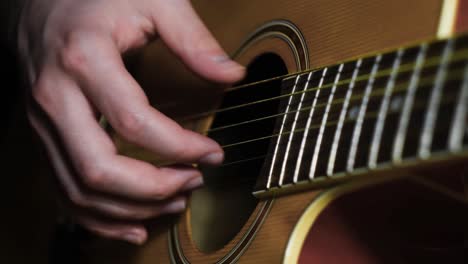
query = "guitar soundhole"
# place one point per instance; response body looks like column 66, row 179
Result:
column 223, row 206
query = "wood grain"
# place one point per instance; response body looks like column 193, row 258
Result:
column 334, row 30
column 462, row 17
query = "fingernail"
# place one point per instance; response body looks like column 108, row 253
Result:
column 227, row 62
column 220, row 58
column 213, row 158
column 176, row 206
column 193, row 184
column 134, row 238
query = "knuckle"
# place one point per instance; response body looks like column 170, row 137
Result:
column 73, row 55
column 129, row 123
column 39, row 91
column 94, row 176
column 73, row 59
column 42, row 93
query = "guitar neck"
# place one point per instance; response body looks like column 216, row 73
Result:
column 373, row 112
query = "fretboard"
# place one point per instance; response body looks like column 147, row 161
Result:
column 378, row 111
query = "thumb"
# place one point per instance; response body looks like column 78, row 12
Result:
column 186, row 35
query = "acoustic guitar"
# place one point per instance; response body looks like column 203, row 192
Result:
column 346, row 143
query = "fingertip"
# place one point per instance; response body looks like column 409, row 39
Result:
column 214, row 159
column 218, row 67
column 137, row 236
column 231, row 70
column 130, row 232
column 176, row 206
column 193, row 184
column 206, row 151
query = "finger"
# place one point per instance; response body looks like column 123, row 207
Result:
column 133, row 233
column 103, row 77
column 135, row 211
column 183, row 31
column 125, row 210
column 93, row 154
column 110, row 207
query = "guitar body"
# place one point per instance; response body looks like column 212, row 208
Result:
column 386, row 217
column 357, row 222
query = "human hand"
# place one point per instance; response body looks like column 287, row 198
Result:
column 71, row 51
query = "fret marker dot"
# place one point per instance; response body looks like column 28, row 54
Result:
column 396, row 104
column 353, row 112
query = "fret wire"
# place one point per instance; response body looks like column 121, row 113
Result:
column 289, row 75
column 330, row 123
column 318, row 106
column 378, row 92
column 337, row 101
column 270, row 174
column 376, row 139
column 296, row 116
column 404, row 118
column 400, row 88
column 434, row 101
column 322, row 126
column 433, row 61
column 458, row 129
column 360, row 119
column 339, row 127
column 306, row 132
column 418, row 106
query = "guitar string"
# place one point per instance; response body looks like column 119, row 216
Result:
column 404, row 68
column 453, row 76
column 280, row 114
column 384, row 52
column 419, row 106
column 375, row 93
column 263, row 157
column 372, row 115
column 423, row 83
column 258, row 158
column 434, row 61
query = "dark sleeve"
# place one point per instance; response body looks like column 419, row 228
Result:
column 9, row 14
column 10, row 87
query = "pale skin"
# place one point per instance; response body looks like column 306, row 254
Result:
column 71, row 51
